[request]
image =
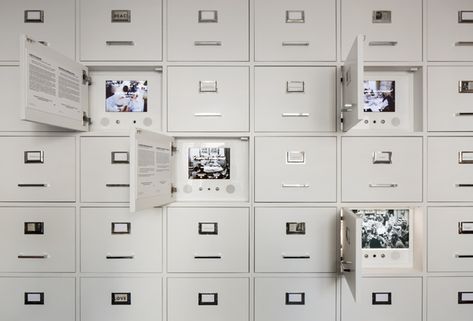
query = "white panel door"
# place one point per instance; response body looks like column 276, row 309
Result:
column 449, row 298
column 350, row 264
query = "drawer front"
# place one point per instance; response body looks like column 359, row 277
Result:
column 381, row 169
column 295, row 239
column 208, row 299
column 216, row 99
column 302, row 31
column 37, row 239
column 295, row 99
column 450, row 98
column 450, row 235
column 393, row 29
column 105, row 169
column 392, row 298
column 51, row 299
column 280, row 299
column 449, row 30
column 450, row 168
column 37, row 169
column 208, row 239
column 207, row 30
column 449, row 298
column 121, row 299
column 295, row 169
column 115, row 240
column 51, row 21
column 121, row 30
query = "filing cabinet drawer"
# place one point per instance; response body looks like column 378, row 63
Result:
column 295, row 169
column 382, row 169
column 115, row 240
column 392, row 299
column 281, row 299
column 121, row 299
column 37, row 239
column 208, row 299
column 208, row 30
column 105, row 169
column 450, row 98
column 449, row 298
column 449, row 30
column 51, row 299
column 450, row 236
column 37, row 169
column 208, row 239
column 121, row 30
column 450, row 168
column 302, row 31
column 393, row 29
column 295, row 99
column 215, row 99
column 51, row 21
column 295, row 239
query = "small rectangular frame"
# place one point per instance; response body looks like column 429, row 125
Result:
column 121, row 298
column 34, row 16
column 34, row 298
column 34, row 228
column 121, row 228
column 208, row 86
column 34, row 157
column 208, row 299
column 382, row 157
column 208, row 228
column 381, row 16
column 295, row 16
column 208, row 16
column 295, row 157
column 465, row 157
column 465, row 297
column 120, row 158
column 121, row 16
column 381, row 298
column 295, row 86
column 295, row 228
column 295, row 298
column 465, row 16
column 465, row 227
column 465, row 86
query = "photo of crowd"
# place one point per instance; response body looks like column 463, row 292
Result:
column 385, row 229
column 126, row 95
column 379, row 96
column 209, row 163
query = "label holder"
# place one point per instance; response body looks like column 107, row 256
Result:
column 208, row 228
column 295, row 228
column 381, row 298
column 295, row 298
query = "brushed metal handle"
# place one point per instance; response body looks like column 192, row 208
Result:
column 117, row 185
column 33, row 256
column 291, row 257
column 207, row 257
column 463, row 43
column 208, row 43
column 120, row 257
column 464, row 256
column 295, row 185
column 33, row 185
column 383, row 43
column 208, row 115
column 383, row 185
column 295, row 43
column 463, row 114
column 295, row 115
column 120, row 43
column 464, row 185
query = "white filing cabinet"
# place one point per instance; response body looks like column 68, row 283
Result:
column 301, row 299
column 449, row 298
column 37, row 169
column 295, row 99
column 391, row 299
column 295, row 169
column 50, row 21
column 393, row 29
column 450, row 168
column 208, row 30
column 208, row 239
column 115, row 240
column 105, row 169
column 450, row 239
column 37, row 239
column 295, row 239
column 216, row 99
column 51, row 299
column 449, row 30
column 300, row 30
column 450, row 98
column 384, row 169
column 120, row 30
column 121, row 299
column 208, row 299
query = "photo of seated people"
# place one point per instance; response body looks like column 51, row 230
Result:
column 126, row 96
column 379, row 96
column 386, row 229
column 209, row 163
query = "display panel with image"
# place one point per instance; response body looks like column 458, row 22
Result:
column 379, row 96
column 385, row 229
column 126, row 95
column 209, row 163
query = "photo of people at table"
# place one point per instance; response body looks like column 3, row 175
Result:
column 209, row 163
column 379, row 96
column 126, row 95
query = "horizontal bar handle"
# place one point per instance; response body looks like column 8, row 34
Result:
column 295, row 43
column 295, row 115
column 295, row 185
column 463, row 114
column 208, row 43
column 207, row 257
column 120, row 257
column 384, row 185
column 33, row 185
column 383, row 43
column 463, row 43
column 120, row 43
column 117, row 185
column 464, row 185
column 32, row 256
column 290, row 257
column 208, row 115
column 464, row 256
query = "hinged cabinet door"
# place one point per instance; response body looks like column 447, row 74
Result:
column 353, row 76
column 151, row 170
column 54, row 87
column 351, row 250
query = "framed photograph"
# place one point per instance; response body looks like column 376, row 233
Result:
column 209, row 163
column 126, row 95
column 379, row 96
column 385, row 229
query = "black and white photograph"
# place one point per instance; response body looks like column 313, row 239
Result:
column 379, row 96
column 126, row 95
column 209, row 163
column 385, row 229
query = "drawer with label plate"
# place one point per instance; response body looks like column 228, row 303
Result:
column 449, row 298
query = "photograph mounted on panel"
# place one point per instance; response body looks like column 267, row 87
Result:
column 379, row 96
column 126, row 95
column 209, row 163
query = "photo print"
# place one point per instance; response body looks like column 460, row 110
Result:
column 379, row 96
column 126, row 95
column 209, row 163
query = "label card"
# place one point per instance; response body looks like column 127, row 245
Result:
column 381, row 298
column 34, row 298
column 208, row 298
column 208, row 228
column 295, row 298
column 121, row 227
column 123, row 298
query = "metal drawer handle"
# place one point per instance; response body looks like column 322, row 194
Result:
column 463, row 256
column 383, row 43
column 463, row 43
column 344, row 264
column 383, row 185
column 295, row 185
column 117, row 185
column 120, row 257
column 39, row 256
column 207, row 257
column 207, row 43
column 463, row 114
column 295, row 115
column 120, row 43
column 295, row 43
column 290, row 257
column 33, row 185
column 464, row 185
column 208, row 115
